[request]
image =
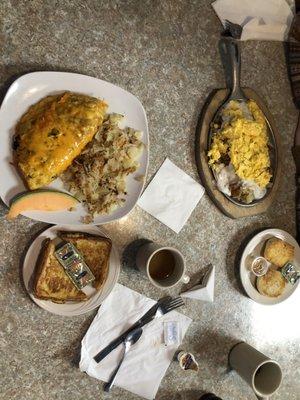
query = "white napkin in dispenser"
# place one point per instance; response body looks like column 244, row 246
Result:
column 260, row 19
column 205, row 290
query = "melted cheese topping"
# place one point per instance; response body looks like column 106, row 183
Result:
column 52, row 133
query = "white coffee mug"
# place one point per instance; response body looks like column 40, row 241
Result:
column 259, row 371
column 144, row 257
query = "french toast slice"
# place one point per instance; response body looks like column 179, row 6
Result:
column 51, row 281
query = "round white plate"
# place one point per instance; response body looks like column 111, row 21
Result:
column 254, row 248
column 29, row 89
column 70, row 308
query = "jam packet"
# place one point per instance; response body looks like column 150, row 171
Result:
column 74, row 265
column 290, row 273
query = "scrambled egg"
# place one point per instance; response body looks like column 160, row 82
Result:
column 244, row 143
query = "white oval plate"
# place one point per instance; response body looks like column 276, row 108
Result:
column 29, row 89
column 254, row 248
column 70, row 308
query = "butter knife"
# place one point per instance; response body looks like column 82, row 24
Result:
column 145, row 319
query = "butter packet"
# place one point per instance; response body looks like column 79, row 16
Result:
column 171, row 333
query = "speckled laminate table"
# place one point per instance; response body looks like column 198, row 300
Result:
column 164, row 52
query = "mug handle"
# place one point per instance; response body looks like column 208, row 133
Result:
column 185, row 278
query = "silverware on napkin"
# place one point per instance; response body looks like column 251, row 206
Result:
column 129, row 341
column 163, row 306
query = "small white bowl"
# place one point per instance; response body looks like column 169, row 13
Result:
column 262, row 269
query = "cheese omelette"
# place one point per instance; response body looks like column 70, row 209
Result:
column 52, row 133
column 243, row 142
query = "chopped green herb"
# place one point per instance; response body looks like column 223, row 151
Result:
column 53, row 133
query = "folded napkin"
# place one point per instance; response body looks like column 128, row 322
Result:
column 147, row 361
column 260, row 19
column 171, row 196
column 203, row 291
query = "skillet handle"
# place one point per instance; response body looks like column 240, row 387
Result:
column 230, row 53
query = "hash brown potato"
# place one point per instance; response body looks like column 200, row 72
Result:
column 97, row 177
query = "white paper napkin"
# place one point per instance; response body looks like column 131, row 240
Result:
column 260, row 19
column 147, row 361
column 171, row 196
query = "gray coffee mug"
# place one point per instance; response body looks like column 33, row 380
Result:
column 143, row 259
column 259, row 371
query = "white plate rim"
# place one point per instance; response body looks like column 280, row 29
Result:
column 55, row 217
column 82, row 307
column 244, row 272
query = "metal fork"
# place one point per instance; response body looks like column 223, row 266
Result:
column 163, row 308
